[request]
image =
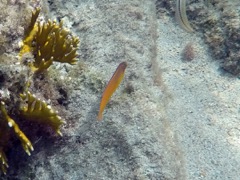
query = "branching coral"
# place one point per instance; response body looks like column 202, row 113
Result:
column 3, row 161
column 30, row 33
column 46, row 42
column 49, row 42
column 6, row 124
column 4, row 138
column 40, row 111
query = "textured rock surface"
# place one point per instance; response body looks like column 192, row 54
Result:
column 179, row 121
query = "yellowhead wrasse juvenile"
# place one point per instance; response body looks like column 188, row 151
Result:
column 111, row 87
column 181, row 15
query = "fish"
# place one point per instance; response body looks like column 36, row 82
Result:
column 111, row 88
column 181, row 15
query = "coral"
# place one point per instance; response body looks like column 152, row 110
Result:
column 39, row 111
column 43, row 43
column 4, row 138
column 6, row 124
column 48, row 42
column 29, row 33
column 3, row 161
column 27, row 145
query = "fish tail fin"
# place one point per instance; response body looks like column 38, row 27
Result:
column 100, row 116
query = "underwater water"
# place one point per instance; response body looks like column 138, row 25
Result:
column 150, row 91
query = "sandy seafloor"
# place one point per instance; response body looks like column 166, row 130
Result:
column 180, row 122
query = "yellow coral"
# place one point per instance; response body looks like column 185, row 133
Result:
column 5, row 126
column 3, row 161
column 4, row 138
column 53, row 43
column 29, row 34
column 27, row 145
column 40, row 111
column 49, row 42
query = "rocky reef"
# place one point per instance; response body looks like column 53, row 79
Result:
column 174, row 116
column 43, row 43
column 218, row 23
